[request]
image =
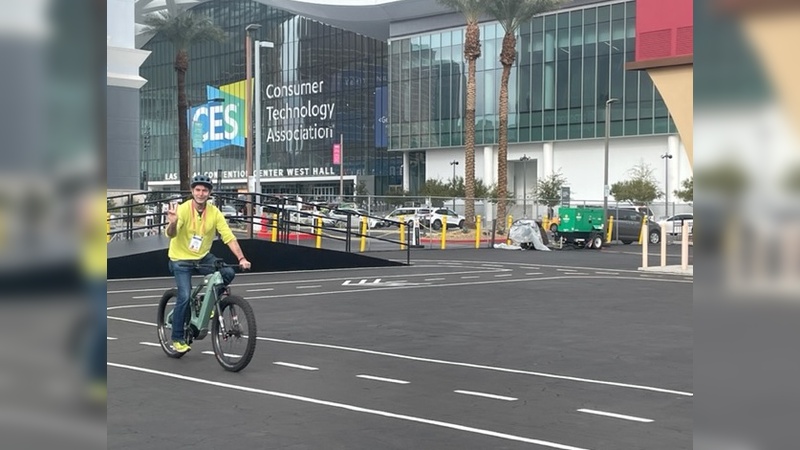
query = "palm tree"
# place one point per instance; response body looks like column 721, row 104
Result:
column 511, row 14
column 472, row 10
column 183, row 30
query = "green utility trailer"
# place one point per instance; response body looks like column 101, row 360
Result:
column 581, row 227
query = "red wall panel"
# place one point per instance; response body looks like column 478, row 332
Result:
column 664, row 29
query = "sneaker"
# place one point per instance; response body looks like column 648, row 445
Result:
column 181, row 347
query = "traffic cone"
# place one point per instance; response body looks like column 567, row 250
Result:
column 262, row 233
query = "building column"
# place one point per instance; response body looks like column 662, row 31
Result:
column 489, row 164
column 406, row 171
column 547, row 159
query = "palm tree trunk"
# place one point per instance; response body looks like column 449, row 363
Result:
column 184, row 159
column 472, row 51
column 507, row 57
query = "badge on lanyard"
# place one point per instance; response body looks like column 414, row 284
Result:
column 195, row 243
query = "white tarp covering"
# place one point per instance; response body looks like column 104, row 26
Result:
column 526, row 233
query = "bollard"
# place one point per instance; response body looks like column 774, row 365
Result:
column 318, row 231
column 363, row 231
column 610, row 229
column 402, row 231
column 546, row 223
column 478, row 232
column 274, row 227
column 508, row 229
column 685, row 246
column 644, row 244
column 642, row 233
column 444, row 232
column 663, row 243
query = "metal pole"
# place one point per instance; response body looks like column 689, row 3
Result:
column 454, row 184
column 606, row 188
column 341, row 166
column 259, row 44
column 666, row 184
column 248, row 106
column 525, row 188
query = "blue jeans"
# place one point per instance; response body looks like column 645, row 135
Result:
column 96, row 362
column 183, row 271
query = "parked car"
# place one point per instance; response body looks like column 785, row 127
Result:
column 408, row 213
column 675, row 223
column 435, row 219
column 628, row 225
column 339, row 217
column 229, row 211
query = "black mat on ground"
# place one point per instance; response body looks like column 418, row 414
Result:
column 147, row 257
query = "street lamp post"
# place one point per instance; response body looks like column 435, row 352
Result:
column 197, row 133
column 454, row 163
column 259, row 44
column 666, row 157
column 248, row 100
column 606, row 188
column 525, row 160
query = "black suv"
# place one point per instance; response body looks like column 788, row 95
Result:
column 628, row 225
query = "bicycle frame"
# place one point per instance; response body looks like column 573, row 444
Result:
column 200, row 318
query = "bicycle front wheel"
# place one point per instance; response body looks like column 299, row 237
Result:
column 163, row 325
column 234, row 333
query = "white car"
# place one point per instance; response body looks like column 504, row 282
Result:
column 340, row 217
column 229, row 211
column 435, row 219
column 675, row 223
column 408, row 214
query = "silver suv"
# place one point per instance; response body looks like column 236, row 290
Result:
column 435, row 219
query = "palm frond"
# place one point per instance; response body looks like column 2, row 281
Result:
column 513, row 13
column 472, row 9
column 184, row 29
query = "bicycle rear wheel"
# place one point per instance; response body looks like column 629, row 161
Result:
column 163, row 326
column 233, row 333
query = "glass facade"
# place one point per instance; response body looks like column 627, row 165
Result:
column 317, row 84
column 568, row 64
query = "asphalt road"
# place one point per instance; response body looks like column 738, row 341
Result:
column 465, row 349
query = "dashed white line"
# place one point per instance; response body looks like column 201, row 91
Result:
column 566, row 270
column 260, row 290
column 607, row 273
column 294, row 366
column 145, row 296
column 533, row 273
column 151, row 344
column 483, row 394
column 437, row 423
column 435, row 279
column 229, row 355
column 616, row 416
column 109, row 338
column 308, row 287
column 505, row 275
column 388, row 380
column 469, row 278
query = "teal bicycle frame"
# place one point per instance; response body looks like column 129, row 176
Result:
column 199, row 311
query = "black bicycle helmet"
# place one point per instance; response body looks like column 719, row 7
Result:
column 202, row 179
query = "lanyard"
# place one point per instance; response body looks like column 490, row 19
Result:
column 202, row 221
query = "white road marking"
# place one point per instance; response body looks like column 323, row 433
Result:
column 150, row 344
column 353, row 408
column 346, row 282
column 566, row 270
column 482, row 394
column 294, row 366
column 533, row 273
column 145, row 296
column 308, row 287
column 260, row 290
column 459, row 364
column 607, row 273
column 362, row 282
column 435, row 279
column 388, row 380
column 122, row 319
column 617, row 416
column 109, row 338
column 505, row 275
column 229, row 355
column 469, row 278
column 378, row 280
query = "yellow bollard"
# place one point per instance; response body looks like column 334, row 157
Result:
column 546, row 222
column 643, row 232
column 274, row 227
column 402, row 231
column 363, row 231
column 610, row 229
column 508, row 229
column 444, row 232
column 318, row 231
column 478, row 232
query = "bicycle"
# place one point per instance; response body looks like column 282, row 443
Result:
column 222, row 310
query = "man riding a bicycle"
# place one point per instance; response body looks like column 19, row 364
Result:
column 192, row 227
